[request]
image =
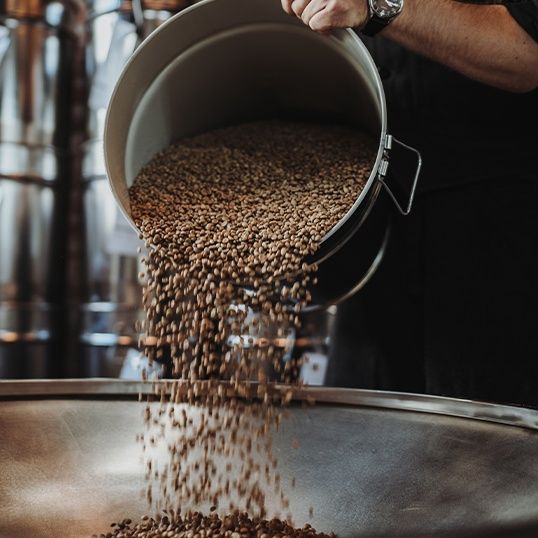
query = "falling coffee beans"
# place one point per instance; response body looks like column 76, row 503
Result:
column 230, row 219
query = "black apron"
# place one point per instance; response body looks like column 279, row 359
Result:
column 453, row 309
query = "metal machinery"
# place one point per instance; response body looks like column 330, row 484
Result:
column 371, row 464
column 38, row 48
column 68, row 265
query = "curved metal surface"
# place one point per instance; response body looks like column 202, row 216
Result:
column 369, row 273
column 372, row 464
column 508, row 415
column 32, row 93
column 40, row 48
column 32, row 241
column 344, row 272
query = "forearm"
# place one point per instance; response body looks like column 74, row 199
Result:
column 482, row 42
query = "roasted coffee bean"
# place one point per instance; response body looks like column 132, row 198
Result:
column 194, row 524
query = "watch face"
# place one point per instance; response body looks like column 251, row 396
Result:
column 387, row 9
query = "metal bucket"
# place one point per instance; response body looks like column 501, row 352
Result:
column 371, row 464
column 222, row 62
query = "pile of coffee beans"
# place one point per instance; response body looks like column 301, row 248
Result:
column 196, row 525
column 230, row 219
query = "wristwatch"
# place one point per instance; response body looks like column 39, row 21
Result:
column 380, row 14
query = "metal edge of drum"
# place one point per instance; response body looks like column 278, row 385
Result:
column 507, row 415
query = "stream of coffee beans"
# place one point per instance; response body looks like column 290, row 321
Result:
column 230, row 219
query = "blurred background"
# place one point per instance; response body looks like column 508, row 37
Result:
column 69, row 294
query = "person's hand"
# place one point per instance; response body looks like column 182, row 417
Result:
column 324, row 15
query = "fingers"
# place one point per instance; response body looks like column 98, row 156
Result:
column 298, row 6
column 314, row 7
column 321, row 21
column 320, row 15
column 286, row 6
column 328, row 18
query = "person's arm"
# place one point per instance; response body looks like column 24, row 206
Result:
column 483, row 42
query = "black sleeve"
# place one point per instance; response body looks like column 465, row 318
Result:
column 525, row 12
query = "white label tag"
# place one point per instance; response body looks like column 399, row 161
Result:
column 314, row 368
column 133, row 365
column 122, row 46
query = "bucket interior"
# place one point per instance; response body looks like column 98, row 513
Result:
column 247, row 73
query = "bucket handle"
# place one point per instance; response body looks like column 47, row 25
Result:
column 389, row 140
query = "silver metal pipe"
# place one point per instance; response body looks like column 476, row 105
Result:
column 38, row 42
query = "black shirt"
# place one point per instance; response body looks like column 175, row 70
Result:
column 466, row 130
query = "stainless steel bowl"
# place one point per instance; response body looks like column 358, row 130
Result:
column 372, row 464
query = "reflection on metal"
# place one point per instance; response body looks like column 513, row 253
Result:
column 26, row 163
column 27, row 322
column 372, row 464
column 34, row 137
column 25, row 8
column 157, row 5
column 31, row 91
column 520, row 417
column 10, row 337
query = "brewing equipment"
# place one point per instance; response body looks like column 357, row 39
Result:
column 110, row 290
column 38, row 43
column 371, row 464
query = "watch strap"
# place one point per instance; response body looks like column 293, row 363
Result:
column 374, row 25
